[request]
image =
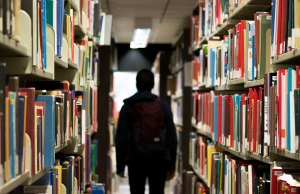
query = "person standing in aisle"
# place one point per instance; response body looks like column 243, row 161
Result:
column 146, row 139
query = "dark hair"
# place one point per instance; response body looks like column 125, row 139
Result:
column 145, row 80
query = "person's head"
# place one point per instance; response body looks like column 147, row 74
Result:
column 144, row 80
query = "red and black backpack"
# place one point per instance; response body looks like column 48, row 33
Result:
column 148, row 128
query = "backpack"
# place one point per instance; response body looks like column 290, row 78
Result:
column 148, row 128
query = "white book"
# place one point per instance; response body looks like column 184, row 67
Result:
column 250, row 178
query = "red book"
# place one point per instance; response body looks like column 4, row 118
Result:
column 297, row 76
column 255, row 119
column 30, row 92
column 260, row 129
column 196, row 71
column 220, row 120
column 231, row 117
column 280, row 73
column 241, row 48
column 250, row 122
column 256, row 42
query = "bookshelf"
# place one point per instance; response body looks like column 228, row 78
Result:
column 201, row 178
column 9, row 47
column 222, row 116
column 291, row 57
column 39, row 68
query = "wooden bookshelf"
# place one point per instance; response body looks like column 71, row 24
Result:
column 223, row 29
column 79, row 30
column 200, row 177
column 74, row 5
column 59, row 63
column 260, row 158
column 291, row 57
column 72, row 65
column 12, row 48
column 232, row 87
column 177, row 68
column 235, row 81
column 42, row 74
column 36, row 177
column 201, row 132
column 15, row 182
column 255, row 83
column 234, row 153
column 177, row 97
column 285, row 154
column 247, row 9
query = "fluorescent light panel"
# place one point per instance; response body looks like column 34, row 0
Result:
column 140, row 38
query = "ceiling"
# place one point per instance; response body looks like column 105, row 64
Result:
column 167, row 18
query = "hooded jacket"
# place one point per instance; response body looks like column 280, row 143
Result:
column 123, row 145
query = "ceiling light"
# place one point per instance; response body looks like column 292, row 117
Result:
column 140, row 38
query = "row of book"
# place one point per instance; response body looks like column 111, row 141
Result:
column 265, row 116
column 193, row 185
column 211, row 15
column 67, row 176
column 285, row 26
column 243, row 53
column 49, row 112
column 226, row 174
column 63, row 19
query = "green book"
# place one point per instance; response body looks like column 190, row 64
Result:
column 265, row 43
column 49, row 12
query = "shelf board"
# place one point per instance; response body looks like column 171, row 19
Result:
column 71, row 64
column 236, row 87
column 14, row 183
column 74, row 6
column 36, row 177
column 247, row 10
column 258, row 157
column 202, row 87
column 177, row 97
column 201, row 132
column 285, row 154
column 235, row 153
column 79, row 31
column 201, row 178
column 235, row 81
column 42, row 74
column 12, row 48
column 223, row 29
column 255, row 83
column 176, row 69
column 178, row 124
column 291, row 57
column 59, row 63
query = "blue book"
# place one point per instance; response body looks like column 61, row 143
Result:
column 44, row 33
column 12, row 139
column 212, row 65
column 98, row 188
column 49, row 179
column 216, row 113
column 290, row 84
column 49, row 142
column 60, row 27
column 21, row 104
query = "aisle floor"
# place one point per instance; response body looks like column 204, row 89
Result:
column 124, row 188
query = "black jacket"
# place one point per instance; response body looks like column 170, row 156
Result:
column 123, row 151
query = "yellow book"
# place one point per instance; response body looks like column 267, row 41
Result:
column 59, row 182
column 297, row 23
column 210, row 149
